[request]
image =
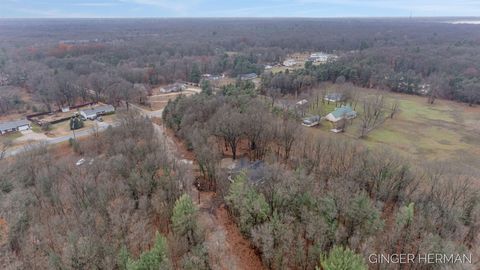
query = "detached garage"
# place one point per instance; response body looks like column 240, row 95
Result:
column 11, row 126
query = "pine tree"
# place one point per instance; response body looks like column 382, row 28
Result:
column 340, row 258
column 184, row 218
column 154, row 259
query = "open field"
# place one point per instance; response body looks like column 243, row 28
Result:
column 446, row 131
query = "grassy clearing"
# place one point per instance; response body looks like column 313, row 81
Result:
column 12, row 136
column 446, row 131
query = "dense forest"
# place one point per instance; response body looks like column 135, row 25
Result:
column 313, row 195
column 302, row 201
column 61, row 61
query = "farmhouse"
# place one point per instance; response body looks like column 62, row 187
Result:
column 344, row 112
column 311, row 121
column 11, row 126
column 176, row 87
column 249, row 76
column 94, row 112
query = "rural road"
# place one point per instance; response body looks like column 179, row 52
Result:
column 81, row 133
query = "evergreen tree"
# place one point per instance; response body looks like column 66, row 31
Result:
column 195, row 73
column 340, row 258
column 76, row 122
column 184, row 218
column 154, row 259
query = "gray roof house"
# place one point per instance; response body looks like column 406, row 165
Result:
column 249, row 76
column 334, row 97
column 311, row 121
column 253, row 169
column 11, row 126
column 176, row 87
column 96, row 111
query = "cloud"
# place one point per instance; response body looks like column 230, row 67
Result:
column 175, row 5
column 94, row 4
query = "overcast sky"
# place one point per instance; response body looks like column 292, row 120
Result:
column 228, row 8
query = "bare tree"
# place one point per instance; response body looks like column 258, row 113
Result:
column 287, row 132
column 226, row 124
column 373, row 114
column 394, row 108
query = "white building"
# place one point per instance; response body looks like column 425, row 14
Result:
column 95, row 112
column 11, row 126
column 289, row 62
column 320, row 57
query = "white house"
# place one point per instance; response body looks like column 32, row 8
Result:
column 96, row 111
column 320, row 57
column 11, row 126
column 289, row 62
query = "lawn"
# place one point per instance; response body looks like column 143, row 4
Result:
column 447, row 130
column 12, row 136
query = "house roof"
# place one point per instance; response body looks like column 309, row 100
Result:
column 99, row 109
column 13, row 124
column 334, row 96
column 312, row 119
column 173, row 87
column 254, row 170
column 344, row 110
column 248, row 76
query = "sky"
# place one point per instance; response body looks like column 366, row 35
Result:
column 229, row 8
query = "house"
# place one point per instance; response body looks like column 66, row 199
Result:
column 176, row 87
column 96, row 111
column 210, row 77
column 17, row 125
column 302, row 102
column 334, row 97
column 254, row 170
column 249, row 76
column 311, row 121
column 340, row 113
column 320, row 57
column 289, row 62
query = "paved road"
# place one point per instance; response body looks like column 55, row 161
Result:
column 102, row 126
column 78, row 134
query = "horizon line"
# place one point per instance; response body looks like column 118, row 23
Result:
column 250, row 17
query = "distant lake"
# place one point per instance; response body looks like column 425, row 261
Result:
column 465, row 22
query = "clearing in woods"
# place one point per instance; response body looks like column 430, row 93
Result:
column 446, row 131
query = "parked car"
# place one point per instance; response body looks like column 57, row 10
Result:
column 80, row 162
